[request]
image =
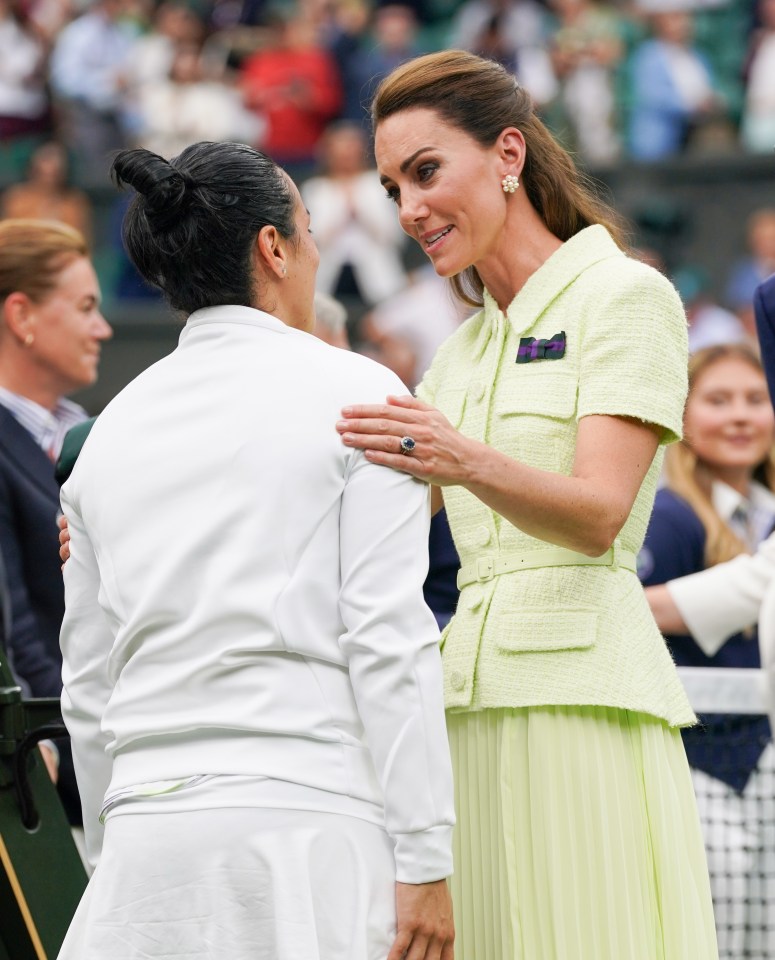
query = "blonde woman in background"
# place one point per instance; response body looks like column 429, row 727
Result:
column 51, row 334
column 718, row 504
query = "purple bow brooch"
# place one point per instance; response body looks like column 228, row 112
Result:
column 531, row 349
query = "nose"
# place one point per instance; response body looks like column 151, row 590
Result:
column 102, row 329
column 742, row 411
column 413, row 210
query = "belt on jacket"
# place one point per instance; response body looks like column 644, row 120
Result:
column 485, row 568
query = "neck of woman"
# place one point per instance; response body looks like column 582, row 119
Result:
column 738, row 478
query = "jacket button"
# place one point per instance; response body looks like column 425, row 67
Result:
column 483, row 536
column 457, row 680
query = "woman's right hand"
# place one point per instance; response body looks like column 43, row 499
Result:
column 441, row 454
column 425, row 930
column 64, row 539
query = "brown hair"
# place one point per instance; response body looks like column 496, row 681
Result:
column 481, row 98
column 33, row 253
column 687, row 476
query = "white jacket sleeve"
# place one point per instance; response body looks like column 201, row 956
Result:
column 391, row 643
column 86, row 640
column 719, row 602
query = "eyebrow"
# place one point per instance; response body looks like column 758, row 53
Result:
column 407, row 163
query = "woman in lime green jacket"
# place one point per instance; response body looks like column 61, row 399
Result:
column 543, row 420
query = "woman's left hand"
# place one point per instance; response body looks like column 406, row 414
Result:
column 441, row 455
column 64, row 539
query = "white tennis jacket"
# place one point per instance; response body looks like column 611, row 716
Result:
column 244, row 594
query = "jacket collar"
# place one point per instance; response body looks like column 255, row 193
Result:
column 231, row 313
column 565, row 265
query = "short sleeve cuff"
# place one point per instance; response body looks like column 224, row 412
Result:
column 672, row 428
column 424, row 856
column 708, row 625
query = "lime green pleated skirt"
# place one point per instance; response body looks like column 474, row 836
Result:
column 577, row 838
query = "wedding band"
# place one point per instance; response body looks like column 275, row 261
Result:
column 407, row 445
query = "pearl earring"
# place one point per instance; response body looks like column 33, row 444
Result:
column 510, row 183
column 29, row 340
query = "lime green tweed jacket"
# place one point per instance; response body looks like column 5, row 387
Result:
column 561, row 635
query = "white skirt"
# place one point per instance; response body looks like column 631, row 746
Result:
column 238, row 884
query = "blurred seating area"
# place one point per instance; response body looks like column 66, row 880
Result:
column 669, row 103
column 646, row 79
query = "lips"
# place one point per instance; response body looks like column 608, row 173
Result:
column 430, row 239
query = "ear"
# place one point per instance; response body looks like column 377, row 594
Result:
column 18, row 315
column 270, row 252
column 511, row 150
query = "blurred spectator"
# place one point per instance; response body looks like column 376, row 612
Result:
column 331, row 321
column 231, row 15
column 758, row 123
column 395, row 353
column 710, row 325
column 294, row 85
column 49, row 16
column 493, row 42
column 24, row 106
column 89, row 71
column 355, row 225
column 418, row 319
column 586, row 49
column 51, row 330
column 522, row 32
column 187, row 106
column 749, row 272
column 366, row 55
column 672, row 89
column 174, row 25
column 718, row 503
column 46, row 193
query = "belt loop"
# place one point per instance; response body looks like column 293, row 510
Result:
column 485, row 569
column 616, row 550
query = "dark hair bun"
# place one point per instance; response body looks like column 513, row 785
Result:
column 191, row 227
column 165, row 191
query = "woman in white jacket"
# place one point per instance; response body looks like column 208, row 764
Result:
column 254, row 698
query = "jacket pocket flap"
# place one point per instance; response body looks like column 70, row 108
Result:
column 547, row 630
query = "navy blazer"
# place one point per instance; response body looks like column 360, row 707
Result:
column 764, row 309
column 29, row 542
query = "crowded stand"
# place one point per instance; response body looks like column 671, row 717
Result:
column 645, row 82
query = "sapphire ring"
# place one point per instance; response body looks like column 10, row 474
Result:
column 407, row 445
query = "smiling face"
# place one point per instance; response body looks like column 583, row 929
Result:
column 446, row 185
column 729, row 421
column 67, row 329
